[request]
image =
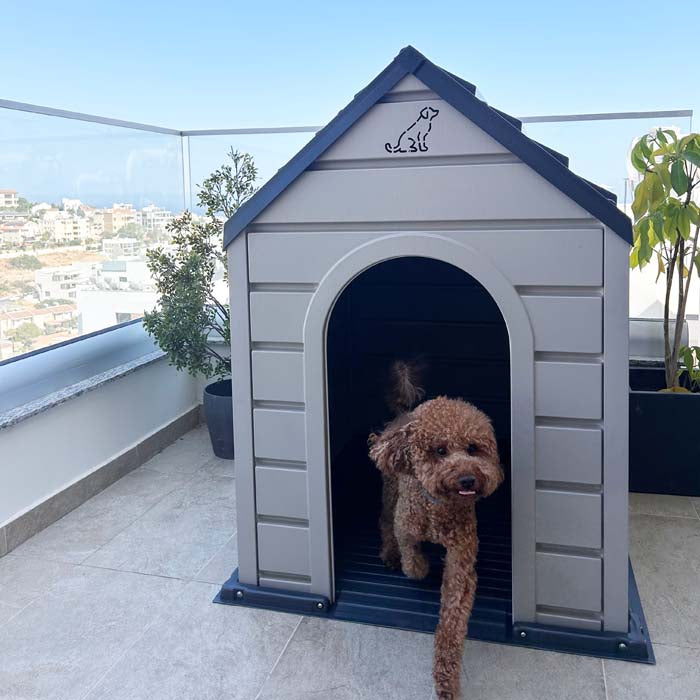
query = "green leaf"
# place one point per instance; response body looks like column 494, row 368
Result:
column 683, row 223
column 658, row 225
column 693, row 213
column 670, row 230
column 692, row 156
column 637, row 158
column 687, row 357
column 679, row 179
column 644, row 147
column 655, row 190
column 697, row 263
column 639, row 205
column 634, row 257
column 660, row 136
column 661, row 267
column 661, row 169
column 645, row 249
column 671, row 133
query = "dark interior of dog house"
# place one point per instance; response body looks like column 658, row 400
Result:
column 436, row 314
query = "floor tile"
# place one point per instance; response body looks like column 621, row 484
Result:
column 219, row 467
column 23, row 579
column 657, row 504
column 200, row 651
column 665, row 555
column 501, row 672
column 58, row 647
column 676, row 676
column 7, row 612
column 83, row 531
column 696, row 504
column 343, row 661
column 179, row 535
column 186, row 455
column 220, row 567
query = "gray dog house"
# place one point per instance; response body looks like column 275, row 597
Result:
column 421, row 220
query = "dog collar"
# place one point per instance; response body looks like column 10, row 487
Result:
column 426, row 494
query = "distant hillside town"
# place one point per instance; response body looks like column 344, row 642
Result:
column 24, row 224
column 70, row 268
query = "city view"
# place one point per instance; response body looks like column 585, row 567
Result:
column 70, row 268
column 72, row 265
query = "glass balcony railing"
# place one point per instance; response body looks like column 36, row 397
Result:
column 82, row 198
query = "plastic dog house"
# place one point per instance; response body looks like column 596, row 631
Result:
column 421, row 220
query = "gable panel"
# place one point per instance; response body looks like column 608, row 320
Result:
column 410, row 84
column 450, row 133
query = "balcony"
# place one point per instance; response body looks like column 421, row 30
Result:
column 114, row 601
column 117, row 523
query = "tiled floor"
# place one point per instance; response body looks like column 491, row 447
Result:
column 114, row 602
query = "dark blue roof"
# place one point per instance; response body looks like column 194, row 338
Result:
column 462, row 96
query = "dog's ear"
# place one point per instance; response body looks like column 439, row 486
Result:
column 424, row 113
column 391, row 451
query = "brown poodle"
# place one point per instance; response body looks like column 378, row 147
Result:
column 436, row 460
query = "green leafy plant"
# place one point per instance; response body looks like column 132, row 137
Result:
column 690, row 367
column 189, row 320
column 667, row 226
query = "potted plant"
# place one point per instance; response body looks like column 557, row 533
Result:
column 665, row 401
column 190, row 323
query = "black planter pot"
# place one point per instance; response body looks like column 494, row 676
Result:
column 218, row 409
column 664, row 445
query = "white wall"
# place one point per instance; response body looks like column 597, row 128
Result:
column 46, row 453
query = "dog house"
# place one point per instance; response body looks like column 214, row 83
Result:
column 422, row 221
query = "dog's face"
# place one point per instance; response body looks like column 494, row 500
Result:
column 429, row 113
column 448, row 445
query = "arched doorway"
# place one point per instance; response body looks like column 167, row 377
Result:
column 412, row 307
column 317, row 381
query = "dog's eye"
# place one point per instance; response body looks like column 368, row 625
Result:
column 472, row 449
column 442, row 450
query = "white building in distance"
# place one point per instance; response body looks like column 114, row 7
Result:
column 125, row 274
column 121, row 247
column 63, row 282
column 8, row 199
column 154, row 219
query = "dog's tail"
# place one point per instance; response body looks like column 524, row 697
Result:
column 405, row 391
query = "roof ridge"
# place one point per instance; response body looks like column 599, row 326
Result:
column 461, row 95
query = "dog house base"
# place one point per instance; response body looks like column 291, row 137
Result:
column 634, row 646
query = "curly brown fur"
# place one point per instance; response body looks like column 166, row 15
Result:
column 405, row 391
column 436, row 462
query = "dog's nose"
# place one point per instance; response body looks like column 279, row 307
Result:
column 466, row 483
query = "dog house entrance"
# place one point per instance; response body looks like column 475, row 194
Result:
column 403, row 308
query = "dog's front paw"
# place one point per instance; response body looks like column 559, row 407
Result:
column 417, row 567
column 447, row 689
column 446, row 695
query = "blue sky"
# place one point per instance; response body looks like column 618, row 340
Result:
column 225, row 64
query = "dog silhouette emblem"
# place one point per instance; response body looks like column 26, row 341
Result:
column 414, row 138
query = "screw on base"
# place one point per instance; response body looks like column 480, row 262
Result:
column 319, row 606
column 239, row 594
column 523, row 634
column 622, row 646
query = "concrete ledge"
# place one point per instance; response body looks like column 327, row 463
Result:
column 13, row 533
column 31, row 408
